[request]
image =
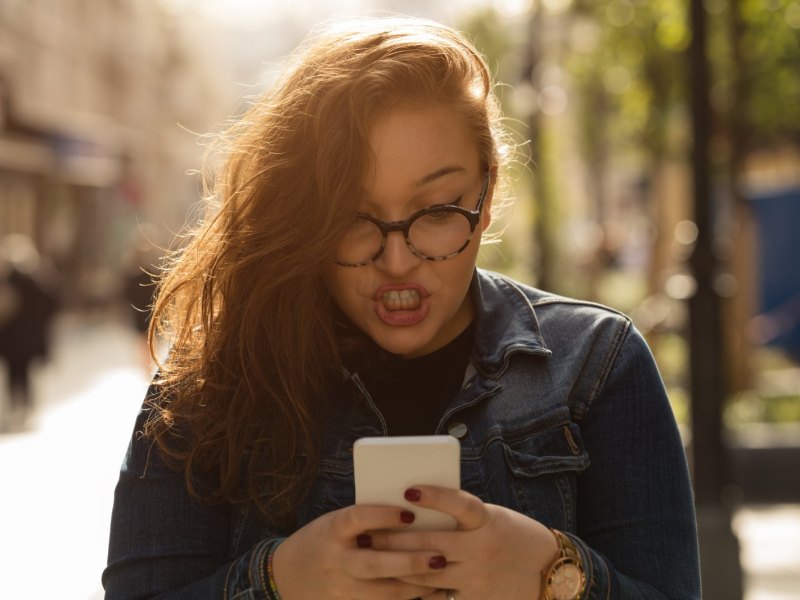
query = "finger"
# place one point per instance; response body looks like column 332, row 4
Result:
column 435, row 595
column 440, row 542
column 468, row 510
column 351, row 521
column 391, row 589
column 431, row 580
column 452, row 577
column 372, row 564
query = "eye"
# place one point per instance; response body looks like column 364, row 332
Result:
column 441, row 215
column 456, row 202
column 360, row 227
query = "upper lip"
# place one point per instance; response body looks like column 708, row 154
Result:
column 398, row 287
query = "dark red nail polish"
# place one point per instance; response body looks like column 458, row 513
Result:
column 413, row 495
column 364, row 540
column 407, row 516
column 437, row 562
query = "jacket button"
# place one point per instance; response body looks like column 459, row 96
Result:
column 457, row 429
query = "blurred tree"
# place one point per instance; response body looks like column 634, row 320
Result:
column 721, row 570
column 755, row 48
column 627, row 64
column 629, row 95
column 517, row 54
column 627, row 61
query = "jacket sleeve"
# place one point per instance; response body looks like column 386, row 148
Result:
column 165, row 544
column 636, row 522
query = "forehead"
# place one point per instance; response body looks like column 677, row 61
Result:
column 409, row 144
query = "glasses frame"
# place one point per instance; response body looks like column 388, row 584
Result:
column 387, row 227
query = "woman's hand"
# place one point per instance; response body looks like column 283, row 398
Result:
column 331, row 558
column 496, row 553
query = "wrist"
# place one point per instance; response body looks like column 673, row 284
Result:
column 268, row 581
column 565, row 578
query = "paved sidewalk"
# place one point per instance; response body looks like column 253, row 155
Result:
column 59, row 475
column 769, row 538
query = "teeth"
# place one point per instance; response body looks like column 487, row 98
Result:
column 401, row 300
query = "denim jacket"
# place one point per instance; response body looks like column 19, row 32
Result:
column 562, row 416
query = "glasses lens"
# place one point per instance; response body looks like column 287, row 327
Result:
column 361, row 242
column 440, row 233
column 437, row 234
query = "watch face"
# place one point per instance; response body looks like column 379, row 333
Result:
column 566, row 581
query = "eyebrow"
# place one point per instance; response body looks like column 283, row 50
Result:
column 439, row 173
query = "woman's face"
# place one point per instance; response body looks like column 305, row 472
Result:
column 406, row 304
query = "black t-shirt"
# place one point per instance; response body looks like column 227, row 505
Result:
column 412, row 393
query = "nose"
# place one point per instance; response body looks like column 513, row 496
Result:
column 397, row 258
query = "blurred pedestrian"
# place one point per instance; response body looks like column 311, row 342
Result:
column 27, row 307
column 331, row 293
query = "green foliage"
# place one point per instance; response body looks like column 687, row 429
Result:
column 769, row 71
column 633, row 76
column 752, row 407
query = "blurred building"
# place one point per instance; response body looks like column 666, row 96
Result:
column 99, row 102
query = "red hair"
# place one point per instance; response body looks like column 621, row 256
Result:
column 253, row 350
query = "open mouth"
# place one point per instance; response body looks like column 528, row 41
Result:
column 402, row 305
column 401, row 300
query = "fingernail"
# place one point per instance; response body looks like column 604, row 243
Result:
column 413, row 495
column 364, row 540
column 437, row 562
column 407, row 516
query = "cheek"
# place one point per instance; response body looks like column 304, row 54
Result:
column 456, row 277
column 331, row 281
column 342, row 287
column 471, row 261
column 463, row 265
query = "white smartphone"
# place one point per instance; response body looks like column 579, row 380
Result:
column 385, row 467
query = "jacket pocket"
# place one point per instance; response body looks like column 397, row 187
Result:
column 555, row 449
column 543, row 460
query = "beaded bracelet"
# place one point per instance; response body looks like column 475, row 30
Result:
column 273, row 587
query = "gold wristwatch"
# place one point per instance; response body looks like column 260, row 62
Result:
column 565, row 579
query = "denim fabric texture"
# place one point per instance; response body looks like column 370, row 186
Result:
column 562, row 416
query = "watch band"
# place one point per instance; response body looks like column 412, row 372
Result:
column 565, row 579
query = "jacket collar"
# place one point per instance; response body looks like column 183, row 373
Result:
column 505, row 323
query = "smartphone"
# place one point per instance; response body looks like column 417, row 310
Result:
column 385, row 467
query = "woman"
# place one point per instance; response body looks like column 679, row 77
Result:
column 332, row 294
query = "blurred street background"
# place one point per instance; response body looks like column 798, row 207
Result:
column 659, row 173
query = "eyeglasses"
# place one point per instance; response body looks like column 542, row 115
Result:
column 435, row 233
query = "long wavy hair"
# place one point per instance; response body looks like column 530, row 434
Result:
column 253, row 351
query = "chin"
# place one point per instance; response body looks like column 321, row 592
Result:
column 401, row 345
